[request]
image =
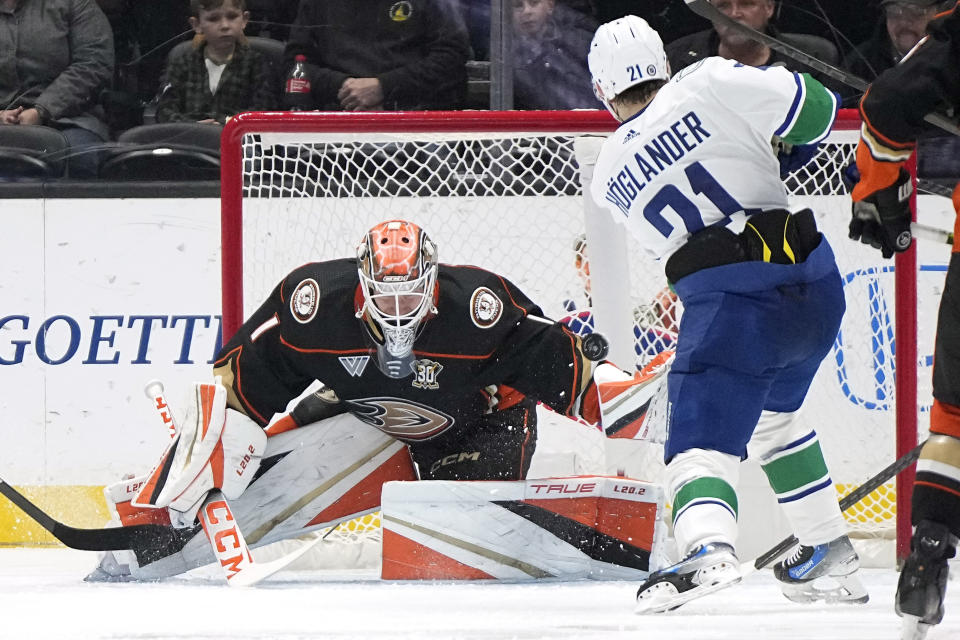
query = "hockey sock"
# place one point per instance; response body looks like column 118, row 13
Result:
column 704, row 499
column 797, row 472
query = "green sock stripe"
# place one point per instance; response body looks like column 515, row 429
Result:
column 817, row 112
column 713, row 489
column 797, row 469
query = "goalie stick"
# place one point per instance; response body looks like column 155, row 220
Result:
column 704, row 9
column 848, row 501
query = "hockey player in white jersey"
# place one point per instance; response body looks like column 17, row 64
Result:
column 692, row 174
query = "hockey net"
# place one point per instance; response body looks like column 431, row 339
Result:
column 503, row 190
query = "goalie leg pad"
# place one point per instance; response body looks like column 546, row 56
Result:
column 324, row 474
column 119, row 566
column 216, row 448
column 569, row 528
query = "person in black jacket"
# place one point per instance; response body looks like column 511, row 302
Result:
column 729, row 43
column 901, row 26
column 370, row 55
column 893, row 110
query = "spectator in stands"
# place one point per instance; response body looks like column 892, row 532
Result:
column 476, row 15
column 221, row 75
column 368, row 55
column 900, row 27
column 550, row 47
column 59, row 56
column 727, row 42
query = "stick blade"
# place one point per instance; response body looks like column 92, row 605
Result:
column 257, row 571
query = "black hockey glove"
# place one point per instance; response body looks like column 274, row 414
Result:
column 882, row 219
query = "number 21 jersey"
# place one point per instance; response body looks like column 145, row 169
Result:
column 700, row 153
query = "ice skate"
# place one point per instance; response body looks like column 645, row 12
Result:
column 825, row 572
column 114, row 566
column 708, row 568
column 923, row 581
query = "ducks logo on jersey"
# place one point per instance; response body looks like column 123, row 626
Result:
column 485, row 308
column 303, row 302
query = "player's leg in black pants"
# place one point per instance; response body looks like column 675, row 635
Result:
column 936, row 494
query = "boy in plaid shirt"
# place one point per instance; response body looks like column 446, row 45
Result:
column 222, row 75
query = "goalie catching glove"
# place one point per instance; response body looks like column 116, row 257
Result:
column 631, row 406
column 215, row 448
column 882, row 219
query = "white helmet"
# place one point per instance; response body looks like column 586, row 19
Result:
column 624, row 53
column 397, row 265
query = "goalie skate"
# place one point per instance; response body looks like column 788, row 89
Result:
column 923, row 581
column 804, row 573
column 708, row 568
column 114, row 566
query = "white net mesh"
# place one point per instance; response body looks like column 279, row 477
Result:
column 510, row 201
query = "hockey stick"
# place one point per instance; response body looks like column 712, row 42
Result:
column 139, row 538
column 934, row 234
column 705, row 9
column 146, row 540
column 848, row 501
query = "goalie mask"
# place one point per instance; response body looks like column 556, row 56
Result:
column 625, row 53
column 397, row 263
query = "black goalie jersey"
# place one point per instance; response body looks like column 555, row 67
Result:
column 487, row 349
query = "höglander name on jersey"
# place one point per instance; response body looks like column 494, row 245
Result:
column 662, row 150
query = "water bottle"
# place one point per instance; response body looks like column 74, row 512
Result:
column 297, row 88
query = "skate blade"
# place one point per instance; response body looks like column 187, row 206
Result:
column 99, row 575
column 913, row 628
column 663, row 596
column 110, row 569
column 847, row 590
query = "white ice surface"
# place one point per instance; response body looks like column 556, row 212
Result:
column 42, row 596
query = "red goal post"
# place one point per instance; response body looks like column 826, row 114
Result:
column 502, row 190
